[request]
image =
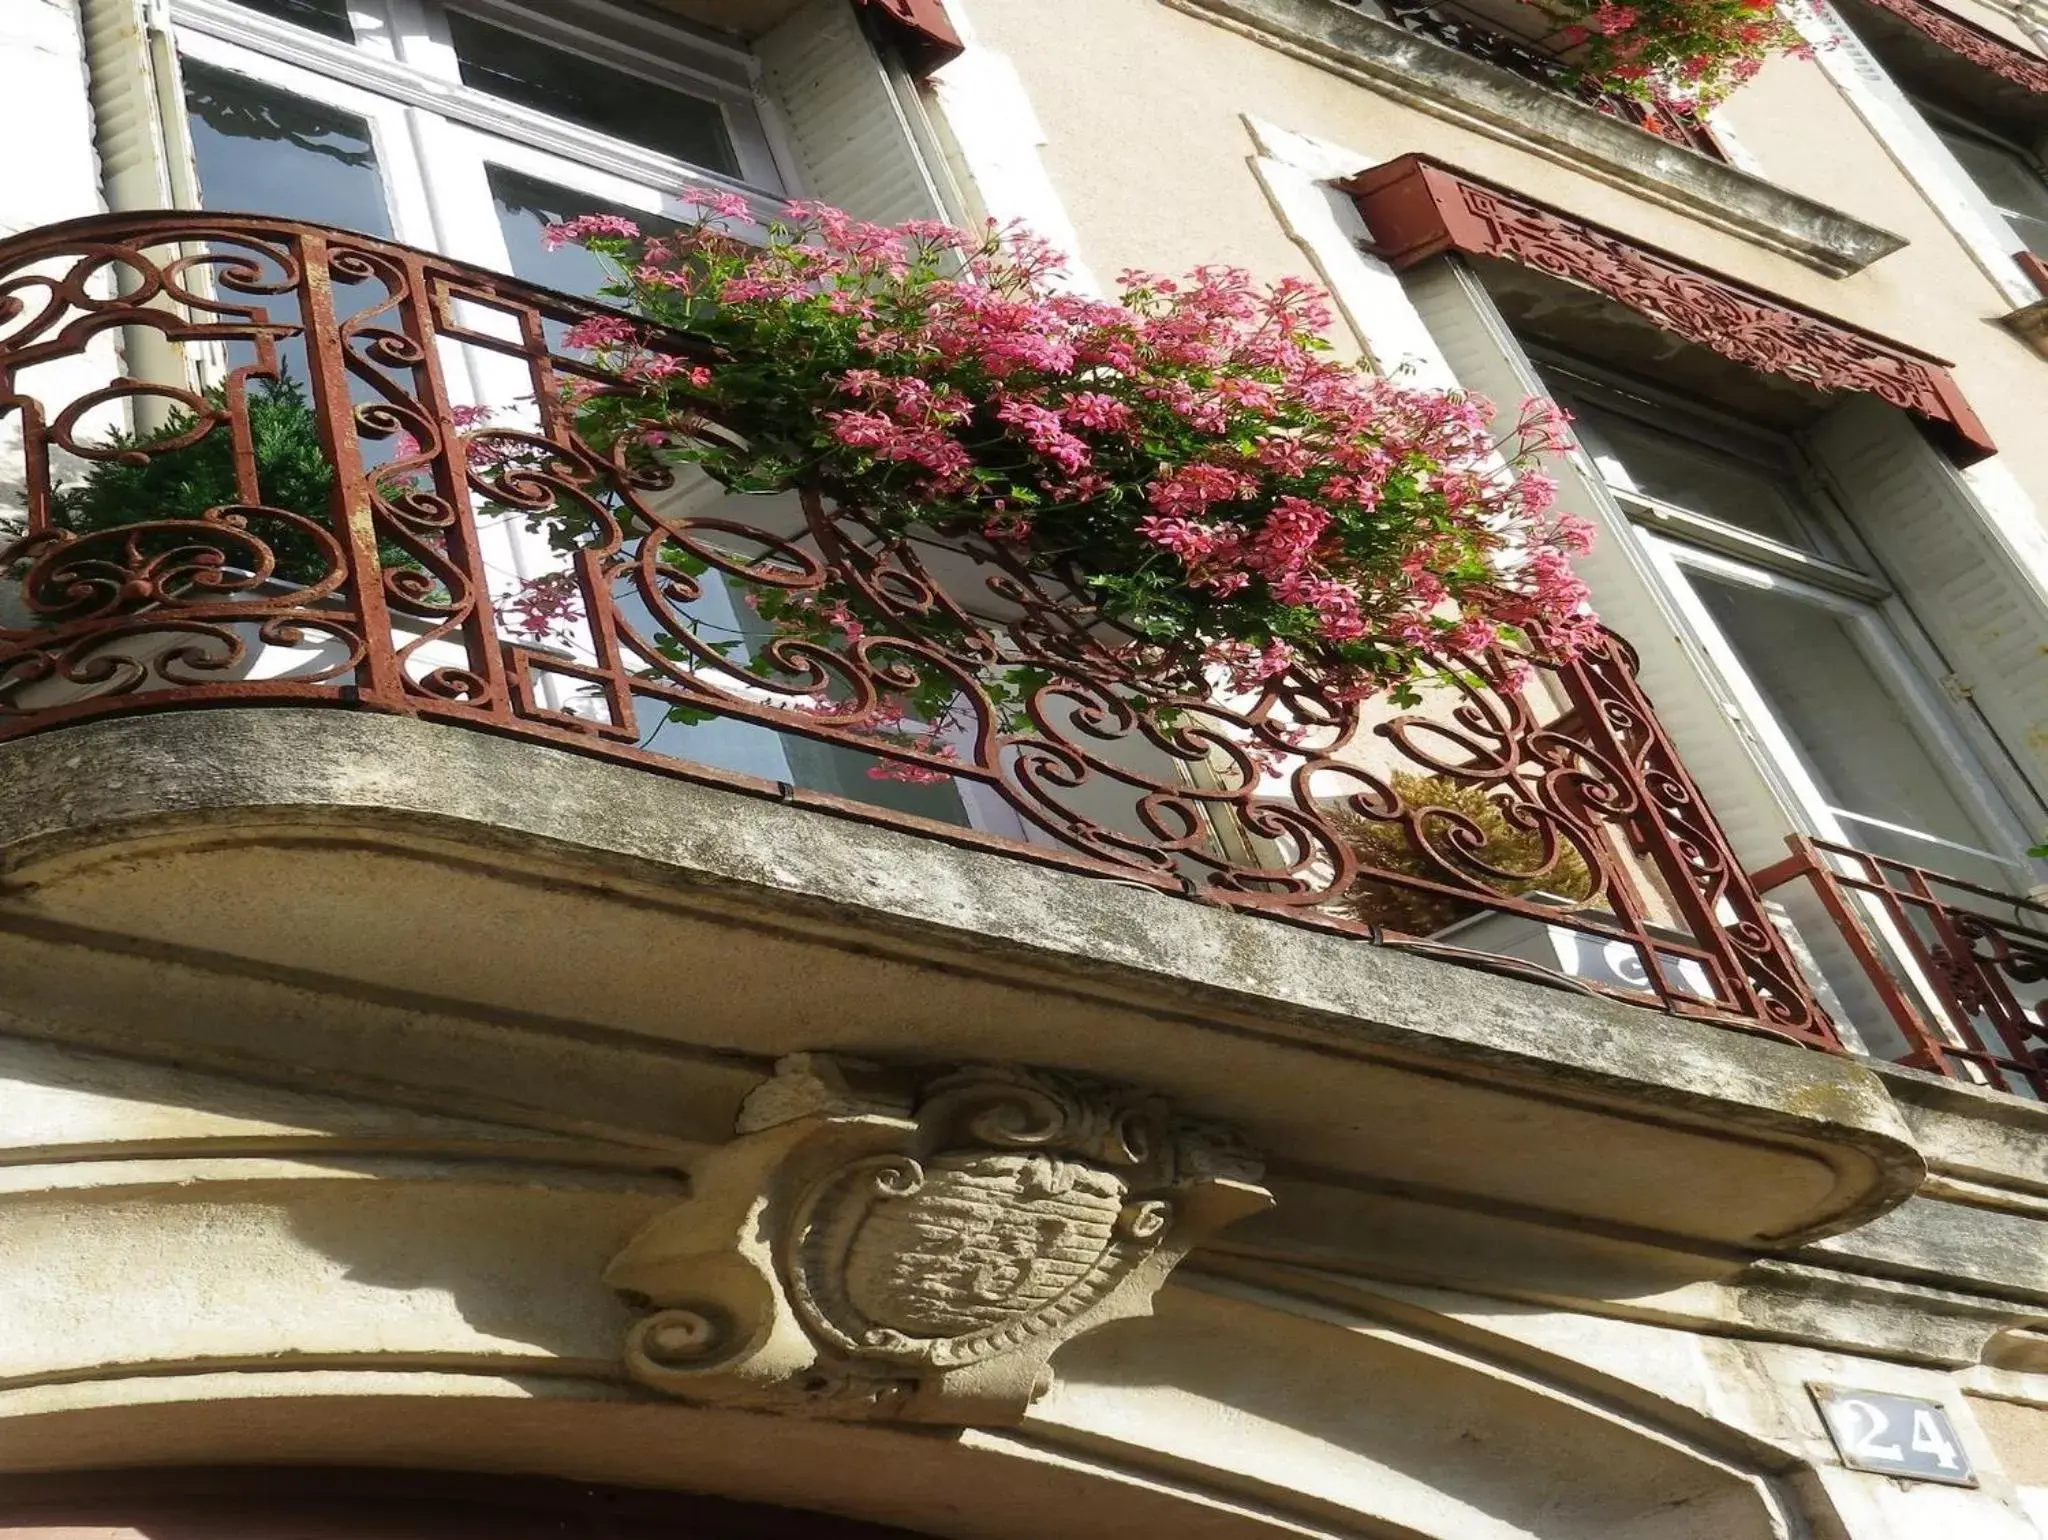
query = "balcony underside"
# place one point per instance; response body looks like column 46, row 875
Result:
column 474, row 923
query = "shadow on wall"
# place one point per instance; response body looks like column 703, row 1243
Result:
column 1352, row 1421
column 229, row 1223
column 341, row 1504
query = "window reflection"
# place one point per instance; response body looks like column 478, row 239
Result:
column 1717, row 486
column 1848, row 723
column 2008, row 178
column 328, row 16
column 265, row 151
column 566, row 85
column 527, row 205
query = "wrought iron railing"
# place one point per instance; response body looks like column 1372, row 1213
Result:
column 360, row 539
column 1446, row 22
column 1960, row 971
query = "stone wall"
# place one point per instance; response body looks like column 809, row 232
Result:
column 52, row 174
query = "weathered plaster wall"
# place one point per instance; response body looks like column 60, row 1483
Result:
column 45, row 117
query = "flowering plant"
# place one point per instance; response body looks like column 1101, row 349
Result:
column 1687, row 54
column 1237, row 502
column 1193, row 449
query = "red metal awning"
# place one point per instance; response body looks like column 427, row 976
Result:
column 923, row 27
column 1418, row 208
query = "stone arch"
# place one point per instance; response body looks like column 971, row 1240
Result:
column 343, row 1503
column 1357, row 1422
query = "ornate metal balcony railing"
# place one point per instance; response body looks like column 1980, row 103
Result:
column 1960, row 970
column 1446, row 22
column 773, row 644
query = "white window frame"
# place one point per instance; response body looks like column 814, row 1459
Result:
column 406, row 204
column 403, row 55
column 1912, row 143
column 436, row 139
column 1940, row 118
column 1835, row 572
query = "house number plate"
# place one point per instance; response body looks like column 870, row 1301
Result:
column 1900, row 1436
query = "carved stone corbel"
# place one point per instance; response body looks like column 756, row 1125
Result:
column 880, row 1245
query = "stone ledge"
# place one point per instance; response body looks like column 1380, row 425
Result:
column 360, row 849
column 1437, row 79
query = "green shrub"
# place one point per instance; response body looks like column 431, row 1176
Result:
column 183, row 483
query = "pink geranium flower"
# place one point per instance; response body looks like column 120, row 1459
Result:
column 1224, row 489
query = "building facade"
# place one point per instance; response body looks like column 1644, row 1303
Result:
column 457, row 1074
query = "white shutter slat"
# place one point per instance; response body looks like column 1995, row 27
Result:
column 145, row 155
column 137, row 104
column 1985, row 614
column 848, row 130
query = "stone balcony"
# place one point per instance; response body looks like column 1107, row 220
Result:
column 1479, row 976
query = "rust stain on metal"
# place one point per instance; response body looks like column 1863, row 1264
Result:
column 1533, row 806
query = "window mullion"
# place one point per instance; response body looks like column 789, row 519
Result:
column 420, row 35
column 1682, row 524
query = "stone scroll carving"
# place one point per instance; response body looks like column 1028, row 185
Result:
column 880, row 1246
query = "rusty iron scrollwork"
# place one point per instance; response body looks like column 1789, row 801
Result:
column 302, row 511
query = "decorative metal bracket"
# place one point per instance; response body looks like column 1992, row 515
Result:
column 1983, row 48
column 876, row 1246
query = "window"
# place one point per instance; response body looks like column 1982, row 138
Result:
column 459, row 124
column 1964, row 112
column 1813, row 648
column 2010, row 178
column 468, row 128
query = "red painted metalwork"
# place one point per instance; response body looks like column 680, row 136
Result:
column 927, row 31
column 1969, row 1014
column 1418, row 208
column 2035, row 269
column 2006, row 60
column 1065, row 741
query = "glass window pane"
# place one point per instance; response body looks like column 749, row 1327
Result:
column 265, row 151
column 527, row 206
column 1847, row 722
column 566, row 85
column 2012, row 183
column 328, row 16
column 1676, row 471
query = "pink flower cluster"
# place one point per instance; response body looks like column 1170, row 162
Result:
column 547, row 608
column 1194, row 447
column 1682, row 54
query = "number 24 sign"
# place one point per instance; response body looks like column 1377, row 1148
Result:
column 1900, row 1436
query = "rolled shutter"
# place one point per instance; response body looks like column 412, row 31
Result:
column 1946, row 558
column 1729, row 767
column 851, row 133
column 137, row 105
column 145, row 155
